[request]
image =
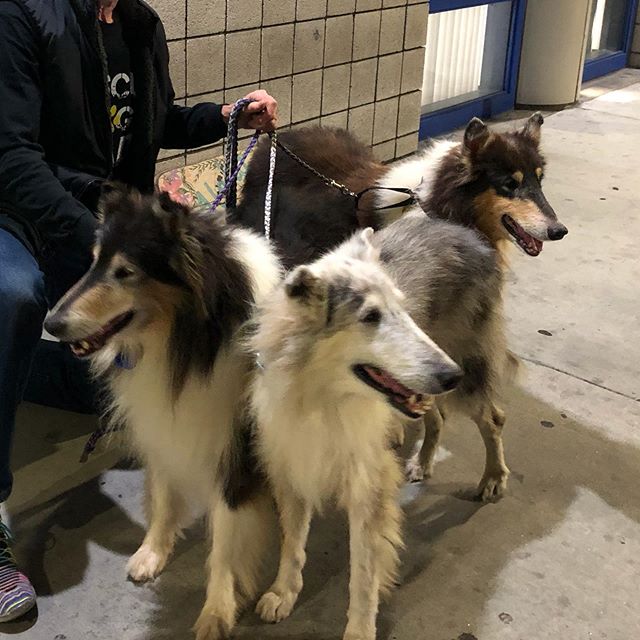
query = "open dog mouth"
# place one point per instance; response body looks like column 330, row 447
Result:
column 409, row 402
column 93, row 343
column 526, row 241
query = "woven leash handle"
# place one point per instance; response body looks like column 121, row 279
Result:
column 268, row 196
column 232, row 165
column 231, row 152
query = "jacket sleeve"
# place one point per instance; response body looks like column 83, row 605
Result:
column 189, row 127
column 29, row 190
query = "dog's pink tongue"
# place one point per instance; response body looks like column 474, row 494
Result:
column 387, row 381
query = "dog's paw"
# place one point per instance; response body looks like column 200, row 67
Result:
column 415, row 471
column 355, row 635
column 492, row 486
column 211, row 626
column 274, row 607
column 146, row 564
column 360, row 627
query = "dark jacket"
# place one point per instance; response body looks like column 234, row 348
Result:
column 55, row 135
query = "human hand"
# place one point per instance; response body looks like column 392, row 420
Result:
column 261, row 113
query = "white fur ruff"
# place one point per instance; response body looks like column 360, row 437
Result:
column 184, row 443
column 185, row 439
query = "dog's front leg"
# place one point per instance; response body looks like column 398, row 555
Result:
column 295, row 516
column 165, row 511
column 218, row 616
column 241, row 536
column 364, row 581
column 375, row 538
column 420, row 465
column 490, row 422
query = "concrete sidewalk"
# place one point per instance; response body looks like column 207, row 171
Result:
column 558, row 557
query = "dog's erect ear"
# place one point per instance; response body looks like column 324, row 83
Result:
column 115, row 196
column 110, row 187
column 364, row 242
column 476, row 135
column 302, row 284
column 173, row 215
column 361, row 246
column 532, row 126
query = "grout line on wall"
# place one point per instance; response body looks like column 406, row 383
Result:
column 404, row 38
column 186, row 62
column 275, row 24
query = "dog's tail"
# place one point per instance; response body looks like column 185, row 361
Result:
column 254, row 533
column 512, row 369
column 240, row 537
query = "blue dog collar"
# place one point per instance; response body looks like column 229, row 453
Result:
column 123, row 361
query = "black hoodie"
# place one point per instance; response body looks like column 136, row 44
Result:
column 55, row 134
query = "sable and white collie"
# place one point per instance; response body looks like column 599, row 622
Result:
column 489, row 181
column 340, row 360
column 160, row 314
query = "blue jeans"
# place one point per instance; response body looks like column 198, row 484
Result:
column 31, row 368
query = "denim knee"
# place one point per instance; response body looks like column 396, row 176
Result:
column 23, row 305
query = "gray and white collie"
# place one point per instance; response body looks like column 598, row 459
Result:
column 340, row 360
column 160, row 315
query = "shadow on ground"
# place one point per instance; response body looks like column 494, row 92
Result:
column 455, row 551
column 455, row 548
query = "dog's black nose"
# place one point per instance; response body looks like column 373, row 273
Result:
column 557, row 232
column 55, row 325
column 449, row 378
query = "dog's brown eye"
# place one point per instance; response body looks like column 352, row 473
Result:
column 373, row 316
column 121, row 273
column 511, row 184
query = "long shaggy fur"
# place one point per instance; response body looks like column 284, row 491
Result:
column 323, row 433
column 467, row 182
column 309, row 217
column 191, row 285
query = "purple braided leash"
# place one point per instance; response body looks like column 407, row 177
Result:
column 91, row 444
column 231, row 164
column 231, row 181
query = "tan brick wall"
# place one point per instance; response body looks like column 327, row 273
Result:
column 634, row 56
column 348, row 63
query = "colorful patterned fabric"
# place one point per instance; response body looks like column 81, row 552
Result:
column 17, row 596
column 197, row 184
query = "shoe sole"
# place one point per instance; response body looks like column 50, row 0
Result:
column 20, row 611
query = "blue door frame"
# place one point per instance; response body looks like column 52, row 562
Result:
column 452, row 117
column 616, row 60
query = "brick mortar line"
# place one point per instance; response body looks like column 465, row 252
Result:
column 291, row 75
column 280, row 24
